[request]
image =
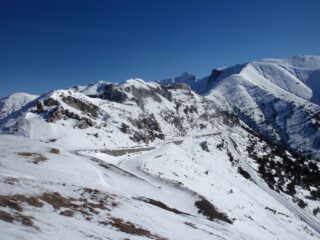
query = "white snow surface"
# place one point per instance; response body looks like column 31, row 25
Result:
column 277, row 98
column 175, row 147
column 14, row 102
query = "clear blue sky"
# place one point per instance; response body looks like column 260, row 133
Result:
column 59, row 43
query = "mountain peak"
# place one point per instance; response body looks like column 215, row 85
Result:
column 14, row 102
column 185, row 77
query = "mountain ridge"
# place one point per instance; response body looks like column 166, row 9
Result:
column 142, row 159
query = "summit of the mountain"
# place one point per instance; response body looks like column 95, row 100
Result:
column 14, row 102
column 277, row 98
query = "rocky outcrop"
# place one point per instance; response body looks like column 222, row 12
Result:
column 49, row 102
column 148, row 122
column 149, row 129
column 113, row 94
column 88, row 108
column 85, row 123
column 174, row 119
column 56, row 115
column 60, row 113
column 154, row 93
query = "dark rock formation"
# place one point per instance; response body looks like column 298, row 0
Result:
column 112, row 94
column 82, row 106
column 204, row 146
column 56, row 115
column 49, row 102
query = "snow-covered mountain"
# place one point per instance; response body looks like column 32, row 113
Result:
column 277, row 98
column 92, row 89
column 14, row 103
column 231, row 156
column 185, row 77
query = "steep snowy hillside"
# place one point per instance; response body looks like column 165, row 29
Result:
column 14, row 103
column 92, row 89
column 277, row 98
column 156, row 160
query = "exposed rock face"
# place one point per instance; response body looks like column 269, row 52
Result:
column 82, row 106
column 49, row 102
column 174, row 119
column 59, row 113
column 216, row 73
column 85, row 123
column 56, row 115
column 150, row 129
column 163, row 91
column 140, row 94
column 148, row 122
column 204, row 146
column 40, row 108
column 112, row 94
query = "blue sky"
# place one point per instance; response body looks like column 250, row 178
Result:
column 48, row 45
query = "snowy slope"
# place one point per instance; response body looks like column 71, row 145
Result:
column 277, row 98
column 92, row 89
column 14, row 103
column 156, row 160
column 298, row 75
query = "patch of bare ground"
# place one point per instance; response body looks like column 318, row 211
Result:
column 204, row 206
column 161, row 205
column 36, row 157
column 67, row 213
column 86, row 206
column 191, row 225
column 11, row 180
column 17, row 217
column 130, row 228
column 210, row 211
column 56, row 200
column 203, row 230
column 54, row 151
column 92, row 201
column 15, row 201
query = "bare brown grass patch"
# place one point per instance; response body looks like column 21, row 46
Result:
column 11, row 180
column 67, row 213
column 54, row 151
column 162, row 205
column 131, row 228
column 17, row 217
column 210, row 211
column 36, row 157
column 15, row 201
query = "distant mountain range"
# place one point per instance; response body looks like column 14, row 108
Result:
column 234, row 155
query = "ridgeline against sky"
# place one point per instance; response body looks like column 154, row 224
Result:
column 57, row 44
